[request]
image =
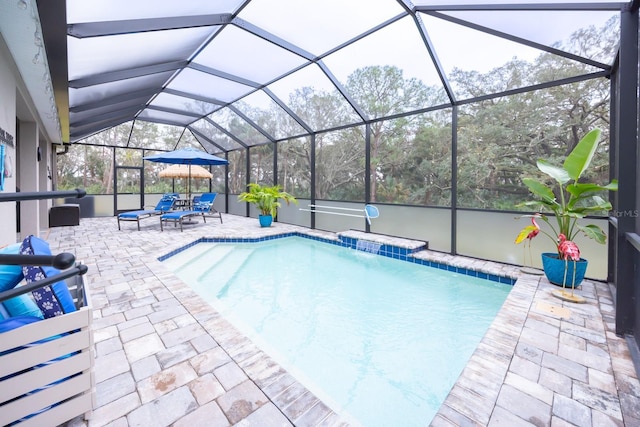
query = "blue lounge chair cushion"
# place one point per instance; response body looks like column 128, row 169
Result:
column 54, row 300
column 174, row 215
column 202, row 206
column 164, row 204
column 197, row 210
column 136, row 214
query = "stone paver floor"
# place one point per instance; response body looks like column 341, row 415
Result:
column 166, row 358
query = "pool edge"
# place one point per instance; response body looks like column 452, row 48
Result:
column 486, row 270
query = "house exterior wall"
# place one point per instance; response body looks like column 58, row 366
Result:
column 8, row 221
column 22, row 135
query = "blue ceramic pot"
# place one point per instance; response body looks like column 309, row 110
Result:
column 265, row 220
column 554, row 269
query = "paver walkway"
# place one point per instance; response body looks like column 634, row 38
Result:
column 164, row 357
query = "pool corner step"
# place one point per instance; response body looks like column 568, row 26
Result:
column 223, row 270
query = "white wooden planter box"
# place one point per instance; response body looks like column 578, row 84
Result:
column 54, row 390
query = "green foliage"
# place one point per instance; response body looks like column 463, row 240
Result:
column 340, row 165
column 266, row 198
column 294, row 166
column 569, row 199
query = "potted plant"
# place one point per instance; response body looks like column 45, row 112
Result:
column 267, row 200
column 569, row 199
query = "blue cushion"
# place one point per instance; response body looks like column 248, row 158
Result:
column 16, row 322
column 10, row 275
column 22, row 305
column 136, row 214
column 53, row 300
column 4, row 314
column 177, row 214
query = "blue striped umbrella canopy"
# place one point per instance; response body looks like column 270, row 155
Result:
column 187, row 156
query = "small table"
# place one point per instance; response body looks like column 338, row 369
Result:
column 183, row 204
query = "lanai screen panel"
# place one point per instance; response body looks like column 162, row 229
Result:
column 176, row 62
column 206, row 129
column 176, row 102
column 114, row 10
column 242, row 54
column 264, row 111
column 390, row 71
column 314, row 98
column 166, row 117
column 93, row 56
column 155, row 136
column 557, row 29
column 318, row 26
column 238, row 126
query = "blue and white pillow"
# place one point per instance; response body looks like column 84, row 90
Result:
column 202, row 206
column 54, row 300
column 168, row 197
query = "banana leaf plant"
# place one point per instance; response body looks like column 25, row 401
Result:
column 567, row 198
column 266, row 198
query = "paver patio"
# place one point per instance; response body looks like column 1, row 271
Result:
column 165, row 357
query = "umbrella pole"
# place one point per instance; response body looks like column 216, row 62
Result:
column 189, row 220
column 189, row 185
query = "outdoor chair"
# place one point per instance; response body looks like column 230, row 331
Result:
column 202, row 208
column 164, row 205
column 46, row 339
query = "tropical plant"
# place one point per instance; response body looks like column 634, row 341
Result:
column 266, row 198
column 567, row 197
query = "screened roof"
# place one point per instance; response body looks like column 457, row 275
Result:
column 231, row 71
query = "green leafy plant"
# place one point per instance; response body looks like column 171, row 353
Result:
column 568, row 198
column 266, row 198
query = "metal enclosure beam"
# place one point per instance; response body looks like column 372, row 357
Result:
column 626, row 281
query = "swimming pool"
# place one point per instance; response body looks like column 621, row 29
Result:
column 379, row 339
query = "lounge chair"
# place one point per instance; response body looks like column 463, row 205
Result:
column 202, row 208
column 164, row 205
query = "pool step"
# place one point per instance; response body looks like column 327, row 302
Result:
column 195, row 260
column 191, row 271
column 222, row 272
column 178, row 260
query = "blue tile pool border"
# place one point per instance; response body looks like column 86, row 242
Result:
column 390, row 251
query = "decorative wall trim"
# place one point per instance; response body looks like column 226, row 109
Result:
column 6, row 138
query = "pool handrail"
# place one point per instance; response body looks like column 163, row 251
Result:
column 369, row 211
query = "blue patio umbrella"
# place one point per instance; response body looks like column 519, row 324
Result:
column 187, row 156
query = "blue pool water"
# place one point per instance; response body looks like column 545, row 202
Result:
column 378, row 339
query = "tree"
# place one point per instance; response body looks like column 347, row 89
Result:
column 501, row 138
column 382, row 91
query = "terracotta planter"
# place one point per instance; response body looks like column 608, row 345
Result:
column 554, row 269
